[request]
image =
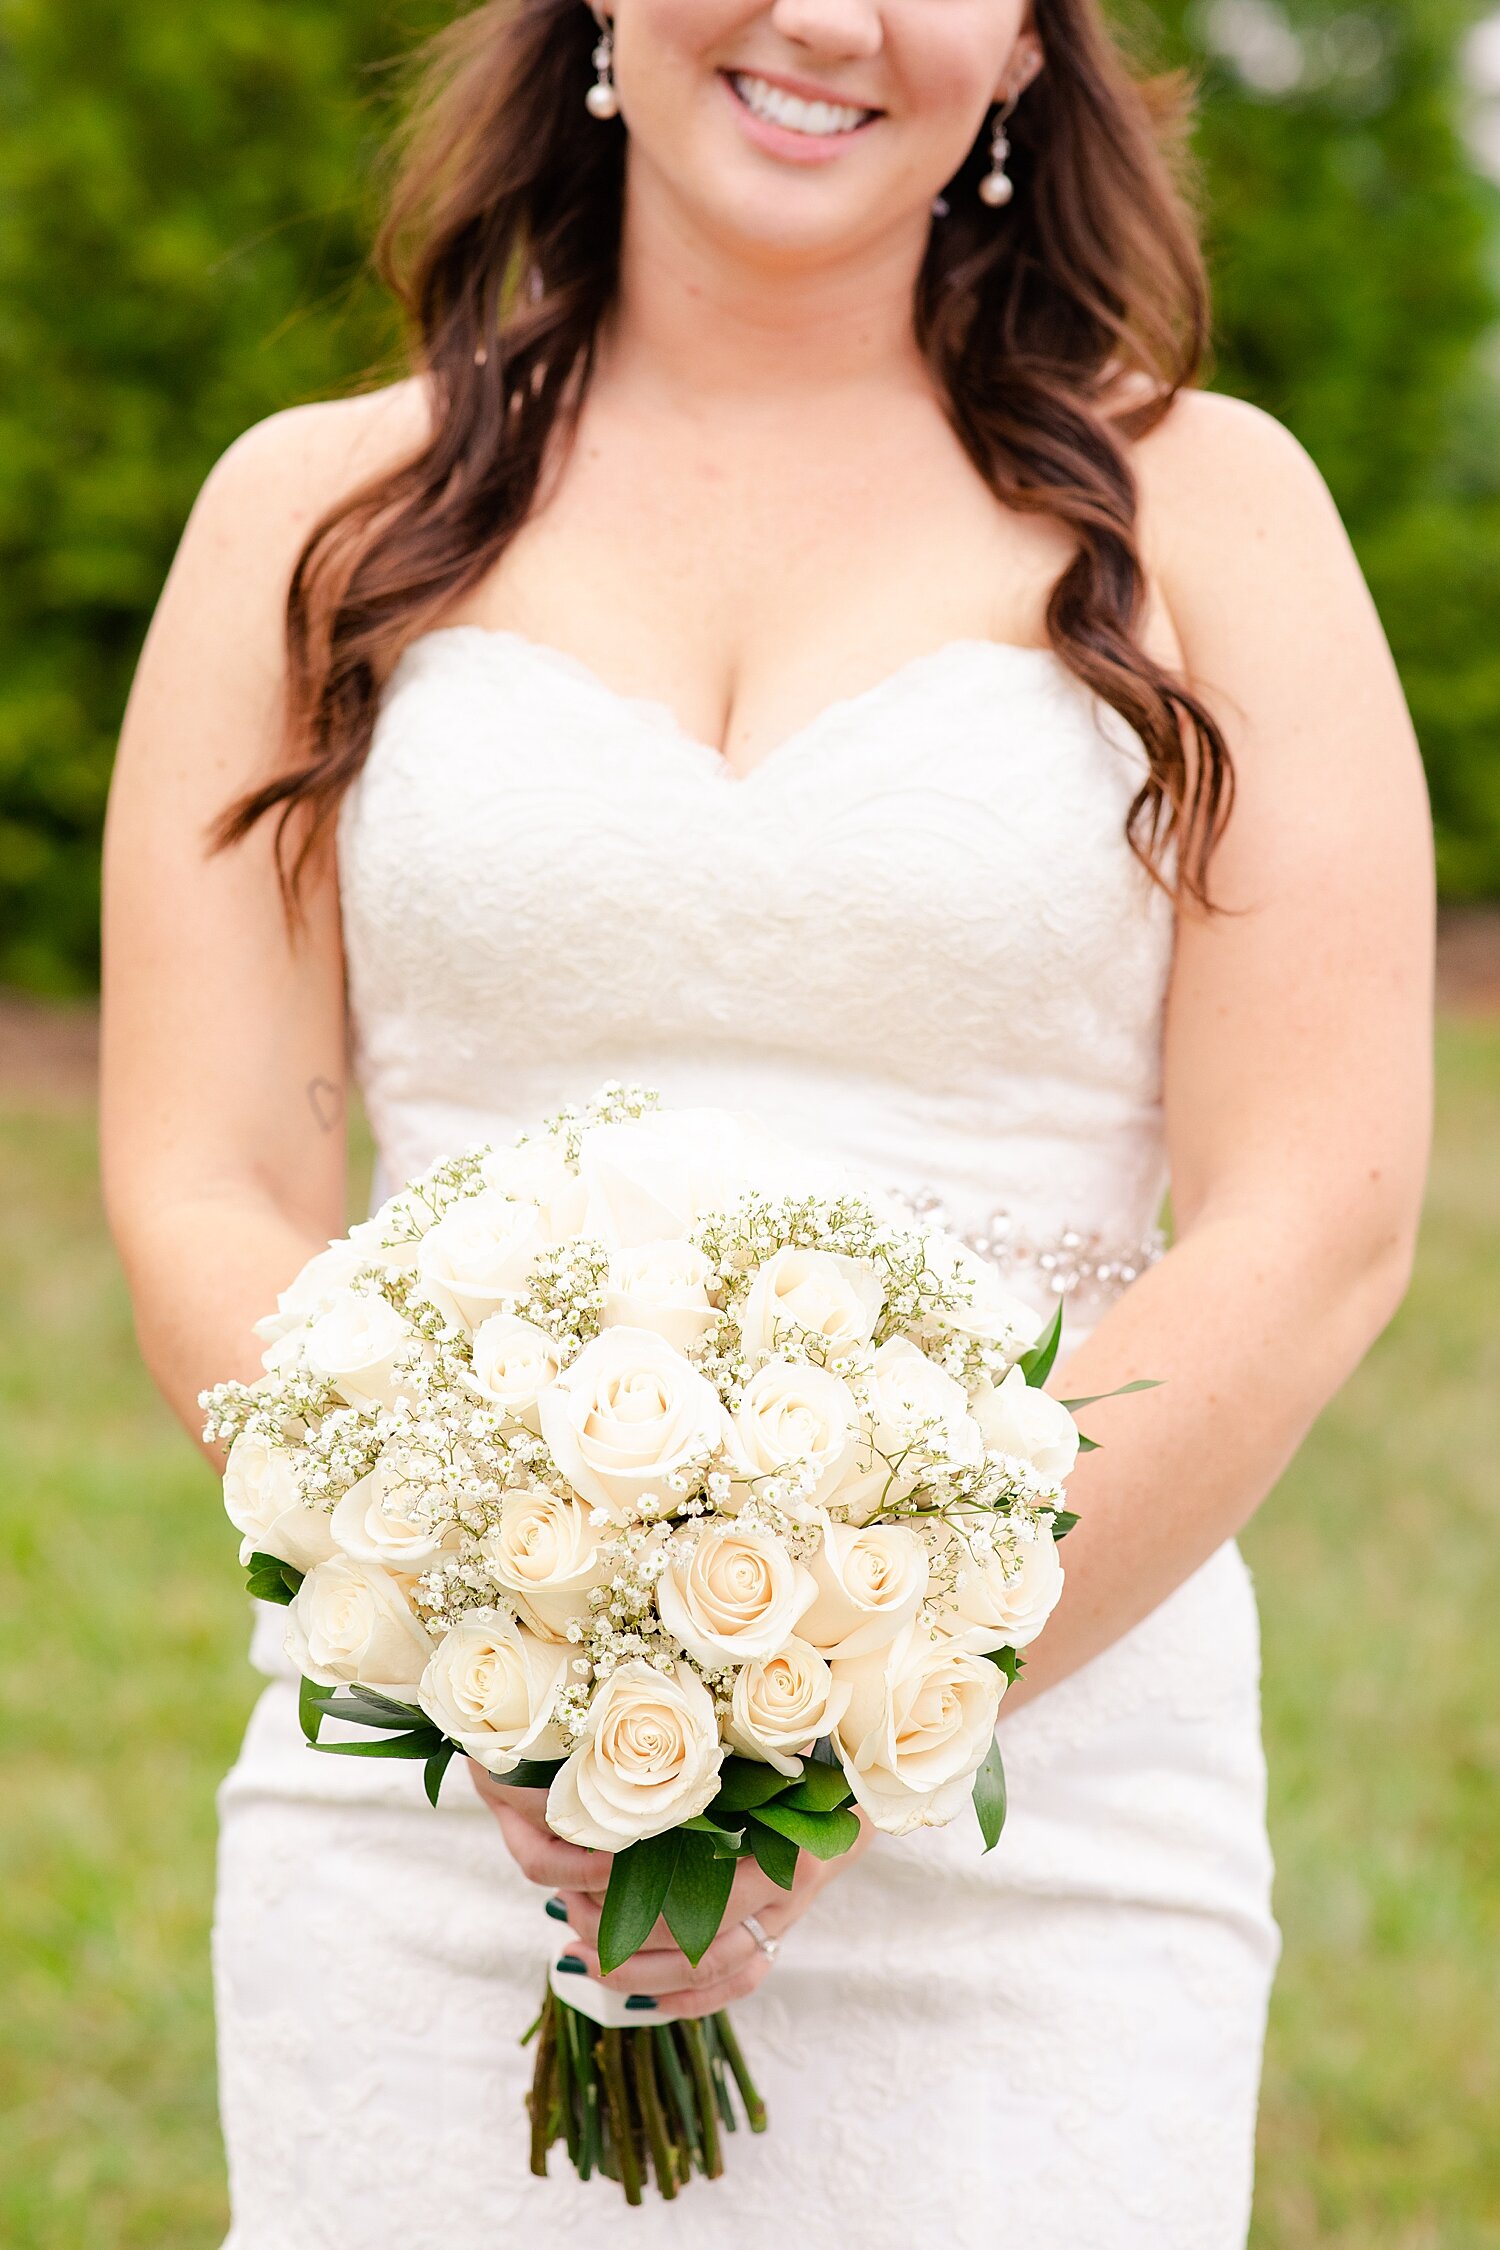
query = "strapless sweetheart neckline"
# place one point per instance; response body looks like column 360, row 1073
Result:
column 661, row 714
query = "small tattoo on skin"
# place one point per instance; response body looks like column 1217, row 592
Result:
column 326, row 1102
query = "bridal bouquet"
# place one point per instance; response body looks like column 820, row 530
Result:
column 647, row 1464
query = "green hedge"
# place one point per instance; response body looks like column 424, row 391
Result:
column 183, row 208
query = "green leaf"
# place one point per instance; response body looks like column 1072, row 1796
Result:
column 270, row 1579
column 1146, row 1383
column 312, row 1705
column 437, row 1766
column 531, row 1773
column 989, row 1797
column 1009, row 1661
column 638, row 1883
column 775, row 1855
column 1063, row 1522
column 745, row 1783
column 1036, row 1365
column 821, row 1789
column 823, row 1753
column 698, row 1895
column 364, row 1715
column 825, row 1834
column 729, row 1843
column 411, row 1714
column 1087, row 1444
column 419, row 1745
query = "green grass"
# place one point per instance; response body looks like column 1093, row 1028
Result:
column 123, row 1688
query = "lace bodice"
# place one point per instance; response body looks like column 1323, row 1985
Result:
column 913, row 935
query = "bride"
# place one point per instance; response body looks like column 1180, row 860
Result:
column 798, row 640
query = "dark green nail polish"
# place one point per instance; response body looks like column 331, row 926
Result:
column 571, row 1966
column 557, row 1910
column 640, row 2000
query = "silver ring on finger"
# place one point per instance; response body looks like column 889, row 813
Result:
column 769, row 1946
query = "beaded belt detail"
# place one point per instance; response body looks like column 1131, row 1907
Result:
column 1070, row 1263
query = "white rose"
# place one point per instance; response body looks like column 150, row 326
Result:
column 781, row 1705
column 351, row 1621
column 871, row 1580
column 371, row 1524
column 662, row 1286
column 906, row 1394
column 481, row 1251
column 263, row 1501
column 792, row 1414
column 919, row 1724
column 652, row 1178
column 736, row 1595
column 627, row 1415
column 1007, row 1596
column 403, row 1216
column 491, row 1686
column 356, row 1345
column 320, row 1285
column 986, row 1308
column 647, row 1760
column 537, row 1172
column 811, row 1292
column 1015, row 1417
column 546, row 1552
column 514, row 1361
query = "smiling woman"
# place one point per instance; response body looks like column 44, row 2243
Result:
column 800, row 395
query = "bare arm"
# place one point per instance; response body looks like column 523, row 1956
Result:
column 1297, row 1044
column 223, row 1068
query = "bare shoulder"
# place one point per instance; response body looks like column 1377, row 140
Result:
column 292, row 468
column 1241, row 535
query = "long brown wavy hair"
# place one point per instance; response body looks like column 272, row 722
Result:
column 1056, row 332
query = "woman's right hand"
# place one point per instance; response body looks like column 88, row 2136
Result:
column 542, row 1857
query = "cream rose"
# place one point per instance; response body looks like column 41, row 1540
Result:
column 481, row 1251
column 545, row 1551
column 264, row 1503
column 629, row 1414
column 648, row 1759
column 735, row 1595
column 781, row 1705
column 357, row 1345
column 985, row 1309
column 1015, row 1417
column 906, row 1393
column 351, row 1621
column 651, row 1178
column 918, row 1726
column 871, row 1579
column 491, row 1686
column 320, row 1285
column 1007, row 1597
column 811, row 1292
column 514, row 1361
column 661, row 1286
column 537, row 1172
column 792, row 1414
column 371, row 1524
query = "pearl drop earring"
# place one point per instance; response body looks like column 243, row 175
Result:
column 997, row 187
column 601, row 100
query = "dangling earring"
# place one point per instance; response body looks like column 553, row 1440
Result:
column 601, row 99
column 997, row 187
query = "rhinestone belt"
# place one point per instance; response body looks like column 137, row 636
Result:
column 1070, row 1263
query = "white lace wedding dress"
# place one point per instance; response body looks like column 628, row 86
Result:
column 913, row 934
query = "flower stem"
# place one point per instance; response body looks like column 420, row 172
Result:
column 679, row 2093
column 691, row 2030
column 539, row 2101
column 755, row 2108
column 622, row 2124
column 664, row 2156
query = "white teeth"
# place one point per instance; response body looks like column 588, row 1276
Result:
column 792, row 111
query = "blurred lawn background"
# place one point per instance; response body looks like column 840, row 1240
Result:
column 184, row 199
column 124, row 1687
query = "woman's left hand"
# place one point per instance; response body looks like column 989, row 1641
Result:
column 734, row 1964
